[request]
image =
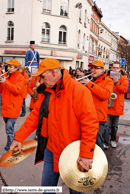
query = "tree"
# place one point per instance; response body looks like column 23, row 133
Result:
column 124, row 51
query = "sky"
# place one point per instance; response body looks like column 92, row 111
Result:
column 116, row 15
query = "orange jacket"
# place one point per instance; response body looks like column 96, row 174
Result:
column 30, row 91
column 26, row 80
column 72, row 116
column 101, row 90
column 120, row 89
column 12, row 98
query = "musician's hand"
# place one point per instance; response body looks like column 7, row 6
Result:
column 115, row 79
column 88, row 162
column 2, row 79
column 32, row 94
column 37, row 84
column 84, row 81
column 14, row 144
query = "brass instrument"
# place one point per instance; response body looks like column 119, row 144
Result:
column 35, row 90
column 111, row 99
column 84, row 77
column 4, row 74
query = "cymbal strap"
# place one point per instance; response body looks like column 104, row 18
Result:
column 83, row 165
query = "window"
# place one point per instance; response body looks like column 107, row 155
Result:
column 10, row 31
column 91, row 24
column 62, row 35
column 85, row 19
column 10, row 6
column 80, row 15
column 91, row 45
column 78, row 45
column 84, row 42
column 47, row 6
column 95, row 44
column 64, row 8
column 45, row 32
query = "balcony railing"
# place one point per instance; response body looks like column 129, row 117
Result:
column 10, row 38
column 10, row 10
column 64, row 13
column 62, row 42
column 46, row 10
column 45, row 40
column 85, row 24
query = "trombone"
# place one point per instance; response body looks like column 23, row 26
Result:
column 84, row 76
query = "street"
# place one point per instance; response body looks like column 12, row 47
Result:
column 26, row 173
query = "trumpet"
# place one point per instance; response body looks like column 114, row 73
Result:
column 4, row 74
column 84, row 76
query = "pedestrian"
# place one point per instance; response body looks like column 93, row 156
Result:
column 32, row 90
column 73, row 75
column 32, row 57
column 79, row 73
column 63, row 115
column 128, row 91
column 26, row 80
column 120, row 88
column 27, row 71
column 11, row 88
column 101, row 88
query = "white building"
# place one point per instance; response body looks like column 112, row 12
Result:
column 107, row 45
column 60, row 29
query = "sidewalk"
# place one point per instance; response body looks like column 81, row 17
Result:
column 26, row 173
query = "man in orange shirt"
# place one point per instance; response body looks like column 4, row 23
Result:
column 101, row 88
column 120, row 88
column 11, row 88
column 33, row 85
column 62, row 116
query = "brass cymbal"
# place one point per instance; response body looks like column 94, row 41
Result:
column 82, row 181
column 13, row 157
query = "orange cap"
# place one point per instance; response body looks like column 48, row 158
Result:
column 45, row 65
column 13, row 62
column 97, row 63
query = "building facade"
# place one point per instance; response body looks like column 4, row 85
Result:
column 96, row 16
column 107, row 45
column 60, row 29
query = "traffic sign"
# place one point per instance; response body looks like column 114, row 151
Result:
column 122, row 61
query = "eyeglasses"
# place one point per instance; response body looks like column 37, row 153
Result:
column 96, row 68
column 116, row 67
column 42, row 76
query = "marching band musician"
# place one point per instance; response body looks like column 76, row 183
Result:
column 120, row 88
column 11, row 88
column 101, row 88
column 62, row 115
column 35, row 82
column 26, row 80
column 32, row 57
